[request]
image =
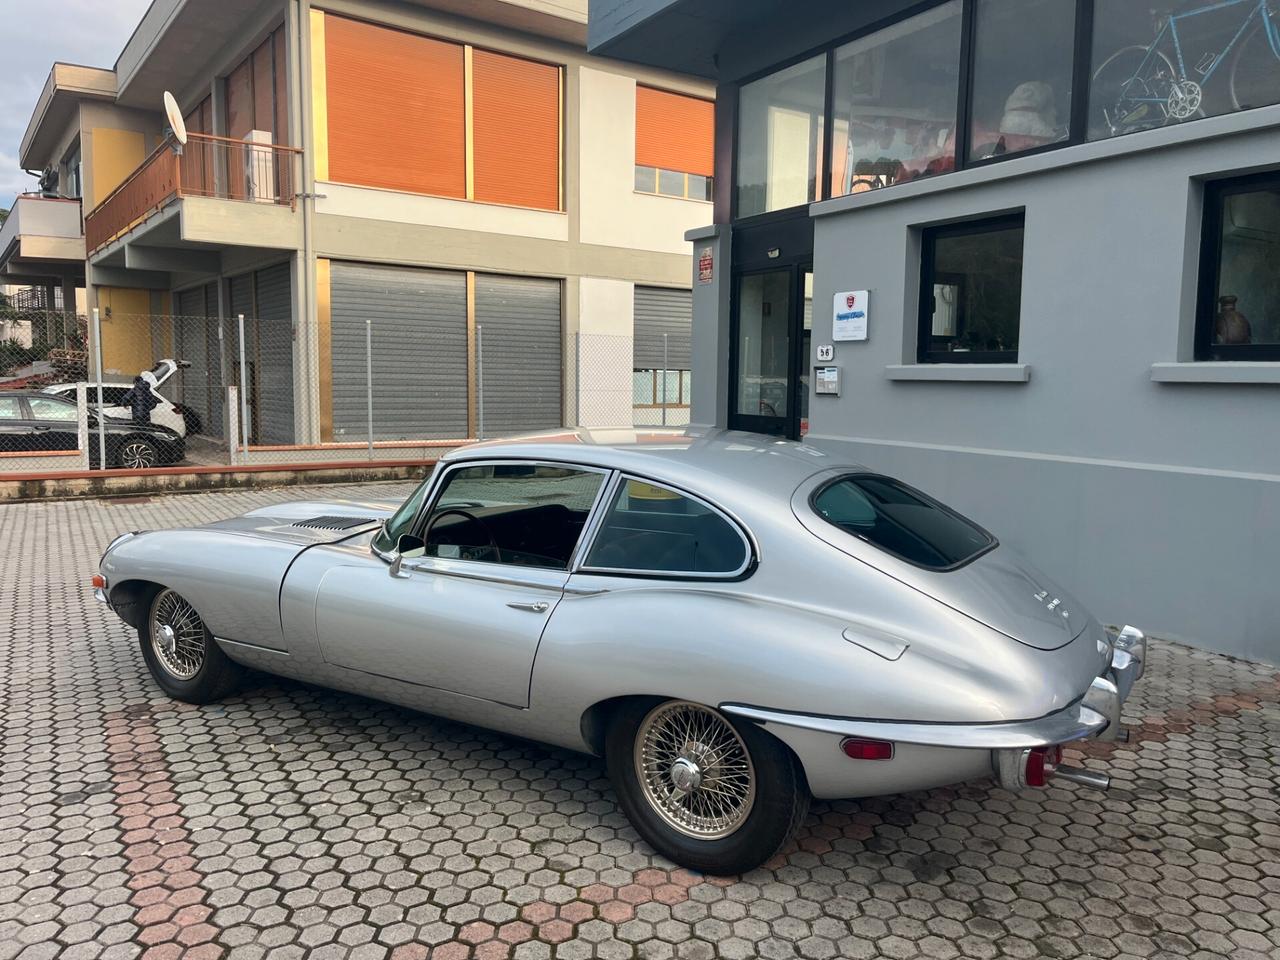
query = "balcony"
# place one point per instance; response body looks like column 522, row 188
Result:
column 261, row 175
column 41, row 241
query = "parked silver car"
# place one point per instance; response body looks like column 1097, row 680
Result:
column 735, row 623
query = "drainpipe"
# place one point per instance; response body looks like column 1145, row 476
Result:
column 301, row 132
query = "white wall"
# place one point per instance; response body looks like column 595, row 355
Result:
column 612, row 213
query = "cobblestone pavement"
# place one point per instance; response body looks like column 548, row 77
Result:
column 291, row 821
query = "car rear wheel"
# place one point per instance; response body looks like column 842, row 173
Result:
column 181, row 654
column 137, row 453
column 703, row 791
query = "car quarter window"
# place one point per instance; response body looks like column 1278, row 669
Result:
column 650, row 528
column 51, row 408
column 520, row 514
column 901, row 521
column 10, row 408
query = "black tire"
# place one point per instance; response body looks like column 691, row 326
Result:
column 212, row 678
column 137, row 453
column 781, row 795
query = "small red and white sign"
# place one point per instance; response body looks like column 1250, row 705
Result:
column 706, row 265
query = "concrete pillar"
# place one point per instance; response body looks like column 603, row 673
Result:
column 711, row 342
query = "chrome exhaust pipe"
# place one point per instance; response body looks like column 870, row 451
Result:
column 1086, row 778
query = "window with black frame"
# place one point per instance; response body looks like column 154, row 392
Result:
column 1239, row 307
column 971, row 291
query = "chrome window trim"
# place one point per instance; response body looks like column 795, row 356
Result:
column 751, row 548
column 486, row 572
column 438, row 482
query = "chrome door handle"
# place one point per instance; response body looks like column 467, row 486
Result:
column 539, row 606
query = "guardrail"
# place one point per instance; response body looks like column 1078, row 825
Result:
column 206, row 166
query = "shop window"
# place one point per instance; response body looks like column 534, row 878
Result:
column 895, row 98
column 1239, row 310
column 1022, row 72
column 971, row 292
column 1161, row 63
column 780, row 138
column 675, row 136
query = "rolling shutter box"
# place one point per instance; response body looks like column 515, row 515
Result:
column 522, row 348
column 516, row 131
column 661, row 311
column 396, row 116
column 419, row 325
column 674, row 132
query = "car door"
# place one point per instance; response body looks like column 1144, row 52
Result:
column 467, row 607
column 54, row 423
column 17, row 434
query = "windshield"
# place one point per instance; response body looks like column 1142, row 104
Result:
column 901, row 521
column 402, row 520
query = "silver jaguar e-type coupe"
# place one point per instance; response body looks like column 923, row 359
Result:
column 735, row 623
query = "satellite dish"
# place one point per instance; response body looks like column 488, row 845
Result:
column 174, row 116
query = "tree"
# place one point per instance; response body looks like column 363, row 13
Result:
column 4, row 215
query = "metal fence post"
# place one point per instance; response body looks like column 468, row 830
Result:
column 368, row 375
column 82, row 424
column 577, row 379
column 244, row 390
column 479, row 381
column 97, row 358
column 664, row 379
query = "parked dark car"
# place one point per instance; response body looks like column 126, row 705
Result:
column 35, row 422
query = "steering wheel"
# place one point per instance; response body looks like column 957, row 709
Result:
column 493, row 541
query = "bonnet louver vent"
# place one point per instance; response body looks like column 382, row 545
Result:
column 334, row 523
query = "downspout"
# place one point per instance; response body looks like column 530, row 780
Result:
column 301, row 131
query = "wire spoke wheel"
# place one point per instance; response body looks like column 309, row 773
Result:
column 137, row 455
column 177, row 636
column 695, row 770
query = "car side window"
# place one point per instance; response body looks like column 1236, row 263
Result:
column 650, row 528
column 10, row 408
column 111, row 396
column 525, row 515
column 51, row 408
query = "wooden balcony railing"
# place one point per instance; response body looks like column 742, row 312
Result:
column 208, row 166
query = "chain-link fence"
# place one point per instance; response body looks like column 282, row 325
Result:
column 192, row 390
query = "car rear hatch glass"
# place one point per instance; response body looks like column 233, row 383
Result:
column 919, row 541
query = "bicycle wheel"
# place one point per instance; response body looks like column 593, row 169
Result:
column 1121, row 101
column 1254, row 72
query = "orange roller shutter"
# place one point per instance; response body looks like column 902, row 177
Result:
column 516, row 124
column 395, row 109
column 674, row 132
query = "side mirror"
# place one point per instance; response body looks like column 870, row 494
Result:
column 407, row 548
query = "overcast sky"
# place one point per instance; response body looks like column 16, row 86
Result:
column 35, row 34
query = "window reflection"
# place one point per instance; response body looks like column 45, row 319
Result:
column 780, row 138
column 894, row 114
column 764, row 343
column 1022, row 72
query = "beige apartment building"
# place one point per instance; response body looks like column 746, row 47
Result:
column 452, row 195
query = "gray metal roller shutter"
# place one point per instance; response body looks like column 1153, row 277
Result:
column 659, row 311
column 193, row 330
column 275, row 354
column 520, row 328
column 419, row 352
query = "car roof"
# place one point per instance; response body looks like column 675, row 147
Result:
column 704, row 460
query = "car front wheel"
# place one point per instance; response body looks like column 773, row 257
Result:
column 181, row 653
column 704, row 792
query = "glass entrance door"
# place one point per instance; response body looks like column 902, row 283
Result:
column 773, row 317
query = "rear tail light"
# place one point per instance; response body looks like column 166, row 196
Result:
column 1041, row 762
column 859, row 748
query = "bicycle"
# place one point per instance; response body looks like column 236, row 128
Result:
column 1140, row 87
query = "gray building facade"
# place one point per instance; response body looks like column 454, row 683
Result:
column 1039, row 242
